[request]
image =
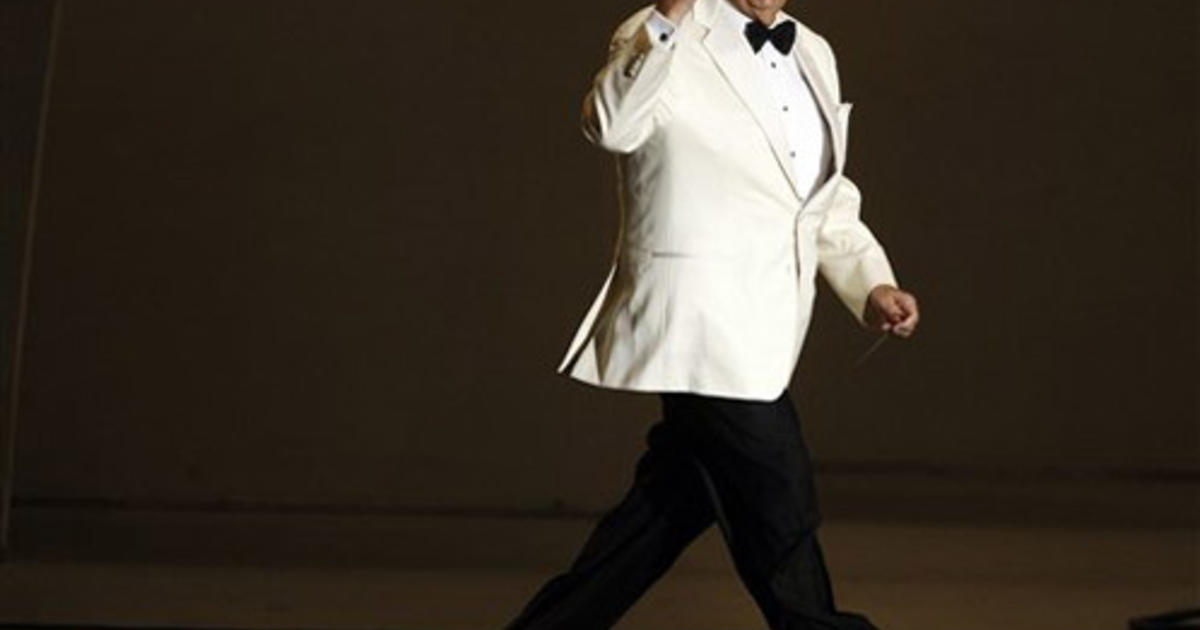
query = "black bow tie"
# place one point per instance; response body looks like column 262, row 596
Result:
column 782, row 36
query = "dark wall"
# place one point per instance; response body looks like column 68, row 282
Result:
column 333, row 252
column 25, row 30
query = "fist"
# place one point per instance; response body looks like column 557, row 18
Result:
column 892, row 310
column 674, row 10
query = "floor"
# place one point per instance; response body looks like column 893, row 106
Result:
column 179, row 568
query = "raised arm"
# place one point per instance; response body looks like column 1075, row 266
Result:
column 624, row 104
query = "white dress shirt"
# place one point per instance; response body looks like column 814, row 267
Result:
column 807, row 136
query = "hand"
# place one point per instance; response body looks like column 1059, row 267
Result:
column 674, row 10
column 891, row 310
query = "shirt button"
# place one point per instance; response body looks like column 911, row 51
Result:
column 785, row 108
column 662, row 37
column 772, row 64
column 792, row 153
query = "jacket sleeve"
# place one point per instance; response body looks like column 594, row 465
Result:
column 849, row 256
column 624, row 104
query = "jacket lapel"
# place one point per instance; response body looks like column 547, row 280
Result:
column 824, row 94
column 731, row 53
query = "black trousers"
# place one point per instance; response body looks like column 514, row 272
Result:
column 740, row 463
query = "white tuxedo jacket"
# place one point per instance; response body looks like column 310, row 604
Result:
column 712, row 279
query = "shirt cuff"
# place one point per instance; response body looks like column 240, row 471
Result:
column 660, row 29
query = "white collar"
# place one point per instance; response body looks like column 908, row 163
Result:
column 738, row 20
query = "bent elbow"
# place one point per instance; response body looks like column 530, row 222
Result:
column 616, row 142
column 608, row 133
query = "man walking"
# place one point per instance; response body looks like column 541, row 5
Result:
column 730, row 136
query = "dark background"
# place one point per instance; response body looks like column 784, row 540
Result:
column 330, row 253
